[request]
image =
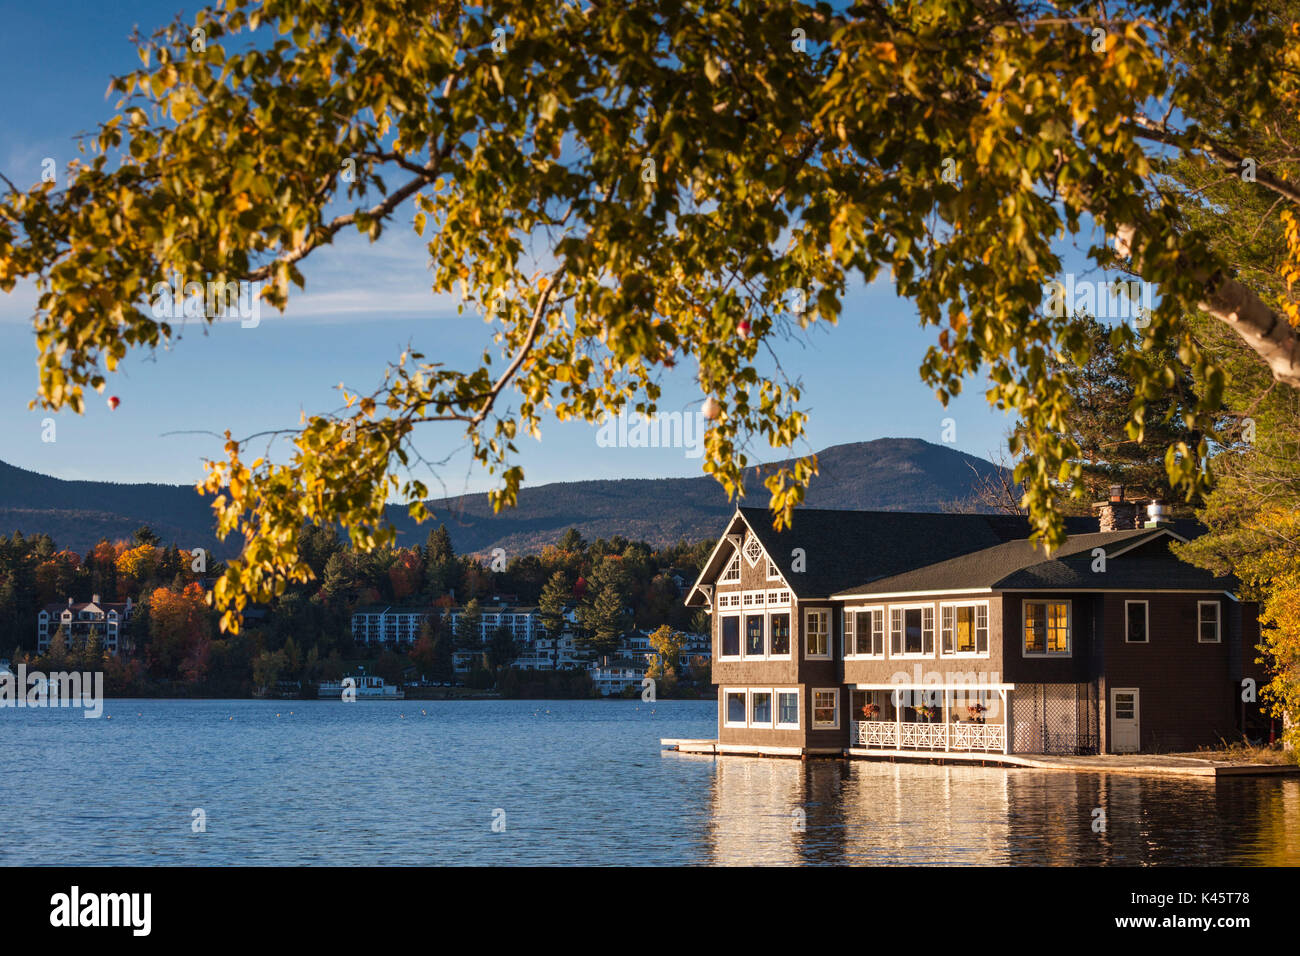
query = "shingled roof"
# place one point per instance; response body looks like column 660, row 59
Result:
column 1136, row 559
column 851, row 553
column 844, row 549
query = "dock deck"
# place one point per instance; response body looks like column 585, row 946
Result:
column 1147, row 764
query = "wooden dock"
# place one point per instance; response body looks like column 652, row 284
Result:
column 1144, row 764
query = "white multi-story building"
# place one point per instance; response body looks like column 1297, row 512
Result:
column 391, row 624
column 106, row 620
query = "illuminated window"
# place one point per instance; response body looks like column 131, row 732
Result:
column 780, row 634
column 826, row 709
column 964, row 629
column 1047, row 627
column 817, row 632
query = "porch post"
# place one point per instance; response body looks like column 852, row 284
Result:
column 947, row 728
column 1006, row 720
column 898, row 719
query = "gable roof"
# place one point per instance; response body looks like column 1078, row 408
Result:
column 850, row 549
column 1138, row 559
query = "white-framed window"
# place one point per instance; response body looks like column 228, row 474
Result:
column 817, row 632
column 760, row 707
column 787, row 709
column 756, row 634
column 911, row 630
column 735, row 708
column 1208, row 630
column 773, row 572
column 1137, row 619
column 729, row 636
column 964, row 629
column 1046, row 629
column 778, row 629
column 753, row 550
column 826, row 708
column 864, row 632
column 732, row 573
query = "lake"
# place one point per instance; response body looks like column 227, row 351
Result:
column 565, row 782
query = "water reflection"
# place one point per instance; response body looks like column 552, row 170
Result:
column 787, row 812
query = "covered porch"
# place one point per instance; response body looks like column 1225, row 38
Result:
column 938, row 718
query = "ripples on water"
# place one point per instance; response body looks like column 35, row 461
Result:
column 581, row 782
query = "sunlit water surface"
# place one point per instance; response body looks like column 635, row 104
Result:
column 566, row 782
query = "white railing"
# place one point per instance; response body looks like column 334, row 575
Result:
column 912, row 735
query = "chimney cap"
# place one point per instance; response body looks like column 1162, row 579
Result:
column 1117, row 492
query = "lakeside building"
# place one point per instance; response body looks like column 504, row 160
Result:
column 888, row 633
column 538, row 651
column 105, row 620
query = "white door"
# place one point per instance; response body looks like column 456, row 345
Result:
column 1124, row 720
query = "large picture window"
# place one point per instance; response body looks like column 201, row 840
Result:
column 817, row 632
column 780, row 635
column 1047, row 628
column 731, row 635
column 964, row 629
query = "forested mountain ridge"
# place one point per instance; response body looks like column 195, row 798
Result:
column 889, row 474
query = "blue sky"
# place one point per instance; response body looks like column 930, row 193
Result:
column 363, row 303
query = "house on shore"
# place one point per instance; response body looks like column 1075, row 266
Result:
column 890, row 633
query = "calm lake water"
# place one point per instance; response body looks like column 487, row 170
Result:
column 580, row 782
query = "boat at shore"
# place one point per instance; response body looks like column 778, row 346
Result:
column 364, row 686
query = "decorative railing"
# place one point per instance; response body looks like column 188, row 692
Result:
column 912, row 735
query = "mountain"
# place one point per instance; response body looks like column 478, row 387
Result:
column 888, row 474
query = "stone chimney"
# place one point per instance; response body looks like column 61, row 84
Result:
column 1116, row 514
column 94, row 599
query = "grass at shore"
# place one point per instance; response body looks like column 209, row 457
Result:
column 1242, row 752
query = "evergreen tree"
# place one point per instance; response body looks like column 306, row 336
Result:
column 572, row 541
column 468, row 626
column 437, row 547
column 1104, row 393
column 550, row 605
column 603, row 621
